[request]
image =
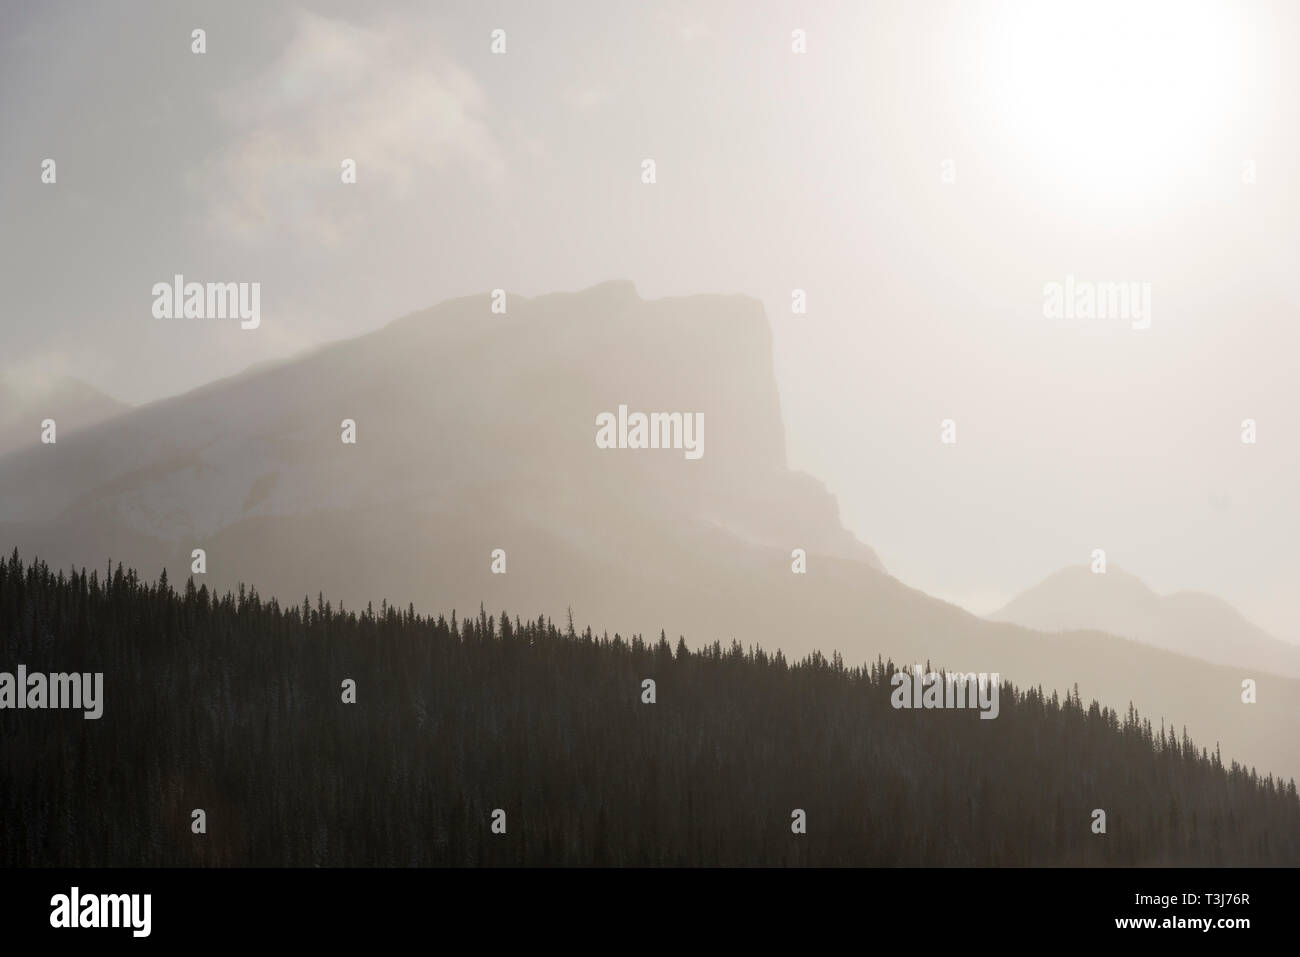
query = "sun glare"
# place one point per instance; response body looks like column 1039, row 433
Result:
column 1117, row 98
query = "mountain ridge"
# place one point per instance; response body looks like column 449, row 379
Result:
column 1190, row 622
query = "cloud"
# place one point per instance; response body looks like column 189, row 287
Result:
column 374, row 94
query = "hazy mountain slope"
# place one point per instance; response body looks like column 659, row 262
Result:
column 72, row 404
column 477, row 432
column 1192, row 623
column 455, row 405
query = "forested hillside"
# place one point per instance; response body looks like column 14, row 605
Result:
column 234, row 705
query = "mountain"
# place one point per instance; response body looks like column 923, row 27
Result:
column 467, row 423
column 477, row 432
column 71, row 403
column 1192, row 623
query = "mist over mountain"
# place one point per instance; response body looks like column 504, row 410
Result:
column 1189, row 622
column 456, row 410
column 27, row 401
column 477, row 431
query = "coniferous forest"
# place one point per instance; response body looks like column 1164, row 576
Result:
column 233, row 704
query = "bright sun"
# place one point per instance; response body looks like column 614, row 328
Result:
column 1119, row 97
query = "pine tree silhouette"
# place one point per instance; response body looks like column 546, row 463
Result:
column 231, row 703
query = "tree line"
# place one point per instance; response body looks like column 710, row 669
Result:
column 234, row 704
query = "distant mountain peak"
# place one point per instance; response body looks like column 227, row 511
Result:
column 1190, row 622
column 26, row 400
column 614, row 288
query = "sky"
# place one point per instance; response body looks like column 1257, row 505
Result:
column 922, row 171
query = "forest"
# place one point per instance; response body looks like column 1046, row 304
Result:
column 310, row 735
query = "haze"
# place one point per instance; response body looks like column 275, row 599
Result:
column 1098, row 142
